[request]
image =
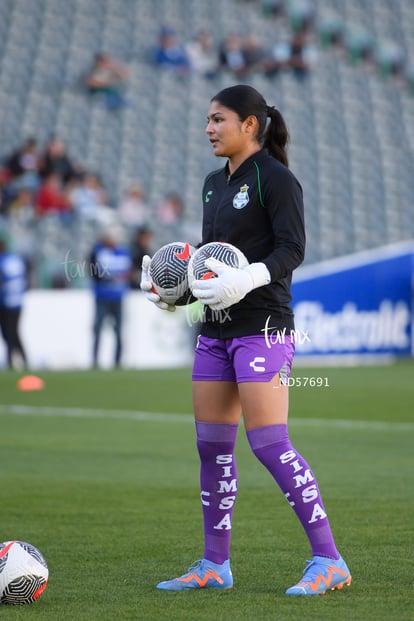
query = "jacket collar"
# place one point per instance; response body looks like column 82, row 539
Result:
column 244, row 166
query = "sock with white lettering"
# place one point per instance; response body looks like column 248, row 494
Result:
column 273, row 449
column 218, row 483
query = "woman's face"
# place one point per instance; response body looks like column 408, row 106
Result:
column 228, row 135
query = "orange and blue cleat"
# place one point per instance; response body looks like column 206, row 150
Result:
column 320, row 575
column 202, row 574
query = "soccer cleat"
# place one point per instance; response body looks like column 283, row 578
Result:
column 320, row 575
column 202, row 574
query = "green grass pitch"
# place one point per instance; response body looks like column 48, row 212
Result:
column 99, row 470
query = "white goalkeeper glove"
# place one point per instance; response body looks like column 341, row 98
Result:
column 147, row 287
column 231, row 285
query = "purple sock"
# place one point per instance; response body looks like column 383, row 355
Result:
column 272, row 447
column 218, row 484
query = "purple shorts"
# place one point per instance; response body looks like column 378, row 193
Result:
column 244, row 359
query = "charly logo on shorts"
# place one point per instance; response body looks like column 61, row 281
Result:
column 257, row 364
column 241, row 198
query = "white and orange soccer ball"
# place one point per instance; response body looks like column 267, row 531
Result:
column 222, row 251
column 169, row 275
column 24, row 573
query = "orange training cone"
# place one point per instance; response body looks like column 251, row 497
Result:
column 30, row 382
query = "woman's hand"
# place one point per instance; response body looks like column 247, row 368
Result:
column 231, row 285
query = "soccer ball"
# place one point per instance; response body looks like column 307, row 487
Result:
column 168, row 272
column 222, row 251
column 23, row 573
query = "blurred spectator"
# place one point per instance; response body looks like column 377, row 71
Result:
column 107, row 77
column 169, row 53
column 231, row 55
column 55, row 158
column 170, row 216
column 13, row 283
column 87, row 196
column 297, row 54
column 3, row 203
column 21, row 168
column 293, row 55
column 133, row 208
column 203, row 56
column 256, row 58
column 22, row 206
column 140, row 246
column 110, row 271
column 51, row 196
column 170, row 210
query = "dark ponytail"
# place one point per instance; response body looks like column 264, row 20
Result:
column 276, row 136
column 246, row 101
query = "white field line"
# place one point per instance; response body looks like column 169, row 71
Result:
column 162, row 417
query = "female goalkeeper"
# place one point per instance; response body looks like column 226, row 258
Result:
column 246, row 346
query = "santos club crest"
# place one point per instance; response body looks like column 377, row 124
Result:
column 241, row 198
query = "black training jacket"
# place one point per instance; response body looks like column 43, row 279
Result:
column 259, row 209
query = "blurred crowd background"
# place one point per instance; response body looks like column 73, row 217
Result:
column 103, row 107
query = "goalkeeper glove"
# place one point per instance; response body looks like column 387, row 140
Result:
column 231, row 285
column 147, row 287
